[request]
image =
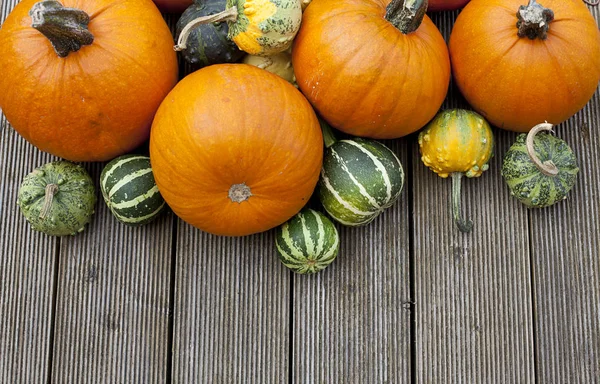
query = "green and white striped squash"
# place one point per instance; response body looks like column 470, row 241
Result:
column 308, row 242
column 544, row 173
column 360, row 178
column 58, row 198
column 129, row 190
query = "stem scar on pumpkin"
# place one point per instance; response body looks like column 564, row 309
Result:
column 66, row 28
column 239, row 193
column 534, row 20
column 406, row 15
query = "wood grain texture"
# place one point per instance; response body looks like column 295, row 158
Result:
column 565, row 253
column 473, row 291
column 351, row 322
column 112, row 310
column 231, row 316
column 27, row 270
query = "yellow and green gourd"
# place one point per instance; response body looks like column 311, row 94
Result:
column 258, row 27
column 308, row 242
column 360, row 178
column 58, row 198
column 278, row 63
column 539, row 169
column 457, row 142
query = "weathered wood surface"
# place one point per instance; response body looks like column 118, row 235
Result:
column 112, row 306
column 516, row 301
column 27, row 271
column 232, row 311
column 351, row 324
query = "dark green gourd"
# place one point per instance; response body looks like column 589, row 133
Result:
column 308, row 242
column 129, row 190
column 58, row 198
column 360, row 178
column 539, row 169
column 207, row 43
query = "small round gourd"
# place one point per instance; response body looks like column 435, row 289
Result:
column 456, row 143
column 258, row 27
column 207, row 43
column 129, row 190
column 308, row 242
column 359, row 179
column 539, row 169
column 58, row 198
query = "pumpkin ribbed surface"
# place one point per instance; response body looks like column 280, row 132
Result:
column 235, row 149
column 530, row 186
column 516, row 82
column 97, row 102
column 129, row 190
column 71, row 204
column 363, row 75
column 308, row 242
column 360, row 178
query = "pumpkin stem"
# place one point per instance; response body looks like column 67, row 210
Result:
column 462, row 224
column 406, row 15
column 328, row 136
column 51, row 190
column 239, row 193
column 66, row 28
column 534, row 20
column 548, row 168
column 229, row 14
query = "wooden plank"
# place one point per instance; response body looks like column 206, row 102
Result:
column 27, row 270
column 473, row 291
column 112, row 315
column 565, row 248
column 351, row 322
column 231, row 316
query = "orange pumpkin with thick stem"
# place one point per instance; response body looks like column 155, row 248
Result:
column 235, row 150
column 82, row 79
column 369, row 71
column 519, row 62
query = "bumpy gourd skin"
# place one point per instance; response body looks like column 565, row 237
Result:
column 72, row 205
column 527, row 183
column 265, row 27
column 457, row 141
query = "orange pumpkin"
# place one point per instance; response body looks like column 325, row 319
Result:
column 371, row 72
column 235, row 149
column 518, row 64
column 84, row 83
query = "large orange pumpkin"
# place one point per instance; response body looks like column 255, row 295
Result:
column 235, row 150
column 84, row 83
column 371, row 72
column 518, row 72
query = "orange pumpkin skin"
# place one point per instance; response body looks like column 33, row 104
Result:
column 514, row 82
column 363, row 75
column 96, row 103
column 234, row 124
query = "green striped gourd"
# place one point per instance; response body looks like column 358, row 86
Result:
column 308, row 242
column 129, row 190
column 539, row 169
column 58, row 198
column 360, row 178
